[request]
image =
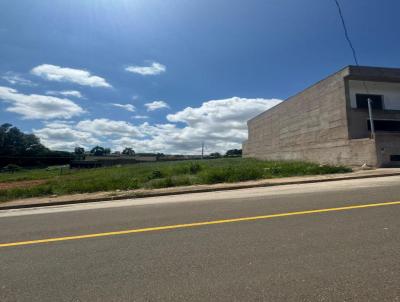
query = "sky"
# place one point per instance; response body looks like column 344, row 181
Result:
column 167, row 75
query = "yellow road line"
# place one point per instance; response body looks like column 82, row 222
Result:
column 198, row 224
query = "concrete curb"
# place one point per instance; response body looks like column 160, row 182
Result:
column 191, row 190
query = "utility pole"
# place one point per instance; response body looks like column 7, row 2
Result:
column 202, row 150
column 371, row 120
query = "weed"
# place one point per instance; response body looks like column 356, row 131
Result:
column 158, row 175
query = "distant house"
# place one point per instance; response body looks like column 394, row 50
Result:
column 329, row 122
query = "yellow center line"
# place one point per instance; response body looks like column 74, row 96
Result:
column 197, row 224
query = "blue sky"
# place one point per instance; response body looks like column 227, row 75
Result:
column 81, row 72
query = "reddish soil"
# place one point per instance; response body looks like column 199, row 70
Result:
column 21, row 184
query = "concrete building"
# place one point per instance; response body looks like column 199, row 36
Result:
column 329, row 122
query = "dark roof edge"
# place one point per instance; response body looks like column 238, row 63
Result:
column 372, row 67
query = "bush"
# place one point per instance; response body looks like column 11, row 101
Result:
column 194, row 168
column 11, row 168
column 185, row 168
column 155, row 174
column 231, row 174
column 160, row 183
column 215, row 175
column 134, row 184
column 246, row 173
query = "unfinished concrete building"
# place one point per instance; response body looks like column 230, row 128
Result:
column 329, row 122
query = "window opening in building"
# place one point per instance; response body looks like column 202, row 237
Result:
column 362, row 101
column 385, row 125
column 395, row 157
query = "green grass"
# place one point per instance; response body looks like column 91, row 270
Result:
column 157, row 175
column 33, row 174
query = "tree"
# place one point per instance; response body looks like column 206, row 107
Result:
column 107, row 151
column 97, row 151
column 215, row 154
column 14, row 142
column 18, row 148
column 159, row 156
column 79, row 151
column 234, row 152
column 128, row 152
column 11, row 168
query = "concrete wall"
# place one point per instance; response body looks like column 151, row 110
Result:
column 362, row 151
column 311, row 125
column 387, row 144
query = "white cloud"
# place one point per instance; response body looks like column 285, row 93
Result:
column 233, row 110
column 58, row 123
column 220, row 124
column 140, row 117
column 128, row 107
column 65, row 74
column 73, row 93
column 34, row 106
column 105, row 127
column 16, row 79
column 156, row 105
column 154, row 69
column 62, row 136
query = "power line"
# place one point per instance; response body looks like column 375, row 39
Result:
column 346, row 32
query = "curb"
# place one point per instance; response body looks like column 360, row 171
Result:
column 191, row 191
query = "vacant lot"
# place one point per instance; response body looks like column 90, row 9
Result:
column 151, row 175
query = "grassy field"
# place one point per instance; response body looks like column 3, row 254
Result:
column 155, row 175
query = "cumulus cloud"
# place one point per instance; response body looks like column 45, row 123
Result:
column 156, row 105
column 233, row 110
column 154, row 69
column 128, row 107
column 16, row 79
column 74, row 93
column 220, row 124
column 104, row 127
column 63, row 136
column 65, row 74
column 34, row 106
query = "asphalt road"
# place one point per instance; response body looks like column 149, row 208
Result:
column 351, row 254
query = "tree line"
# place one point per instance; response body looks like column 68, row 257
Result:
column 101, row 151
column 21, row 149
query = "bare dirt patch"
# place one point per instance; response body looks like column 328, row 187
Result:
column 21, row 184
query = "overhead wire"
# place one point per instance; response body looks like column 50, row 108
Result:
column 353, row 50
column 346, row 32
column 347, row 36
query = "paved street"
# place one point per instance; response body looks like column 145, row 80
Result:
column 346, row 254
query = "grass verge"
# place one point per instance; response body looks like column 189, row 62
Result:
column 157, row 175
